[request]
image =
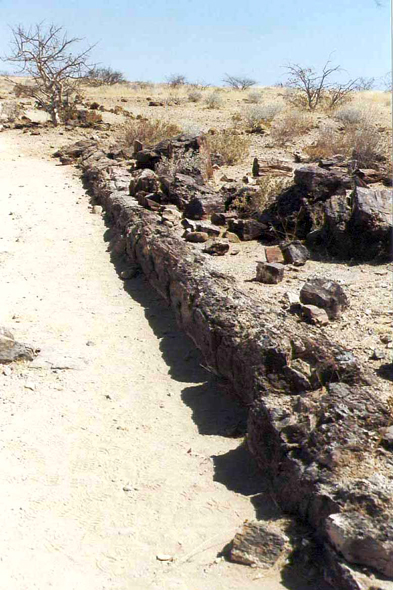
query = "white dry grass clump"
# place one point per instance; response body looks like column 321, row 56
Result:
column 262, row 114
column 292, row 124
column 349, row 115
column 255, row 97
column 214, row 100
column 195, row 96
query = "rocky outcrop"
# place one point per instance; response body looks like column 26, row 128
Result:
column 315, row 417
column 336, row 212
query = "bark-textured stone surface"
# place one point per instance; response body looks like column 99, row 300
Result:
column 315, row 417
column 328, row 295
column 258, row 544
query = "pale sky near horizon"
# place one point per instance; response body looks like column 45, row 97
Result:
column 204, row 39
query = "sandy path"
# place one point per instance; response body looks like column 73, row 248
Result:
column 106, row 465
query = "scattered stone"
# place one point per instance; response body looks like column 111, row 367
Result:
column 7, row 371
column 258, row 545
column 10, row 350
column 274, row 254
column 295, row 253
column 97, row 210
column 314, row 315
column 90, row 343
column 326, row 294
column 233, row 238
column 269, row 273
column 217, row 248
column 197, row 237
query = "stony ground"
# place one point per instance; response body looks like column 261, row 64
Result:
column 115, row 439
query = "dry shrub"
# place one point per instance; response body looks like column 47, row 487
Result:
column 361, row 142
column 291, row 125
column 349, row 115
column 261, row 115
column 233, row 148
column 269, row 188
column 194, row 95
column 149, row 131
column 254, row 97
column 214, row 100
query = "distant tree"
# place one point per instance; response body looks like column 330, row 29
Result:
column 365, row 84
column 43, row 54
column 239, row 82
column 176, row 80
column 105, row 76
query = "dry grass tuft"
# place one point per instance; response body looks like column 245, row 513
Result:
column 290, row 126
column 358, row 139
column 232, row 147
column 149, row 131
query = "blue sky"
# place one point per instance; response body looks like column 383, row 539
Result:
column 204, row 39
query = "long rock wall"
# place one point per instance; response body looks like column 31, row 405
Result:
column 317, row 433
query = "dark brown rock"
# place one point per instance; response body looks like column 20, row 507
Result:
column 246, row 229
column 321, row 183
column 258, row 544
column 295, row 253
column 326, row 294
column 270, row 273
column 274, row 254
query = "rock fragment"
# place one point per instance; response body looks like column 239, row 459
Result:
column 258, row 544
column 326, row 294
column 11, row 350
column 270, row 273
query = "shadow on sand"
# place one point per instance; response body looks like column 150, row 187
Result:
column 215, row 412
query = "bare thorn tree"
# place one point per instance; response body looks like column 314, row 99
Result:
column 311, row 84
column 43, row 53
column 239, row 82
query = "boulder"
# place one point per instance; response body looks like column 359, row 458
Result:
column 196, row 200
column 326, row 294
column 295, row 253
column 270, row 273
column 320, row 183
column 246, row 229
column 371, row 223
